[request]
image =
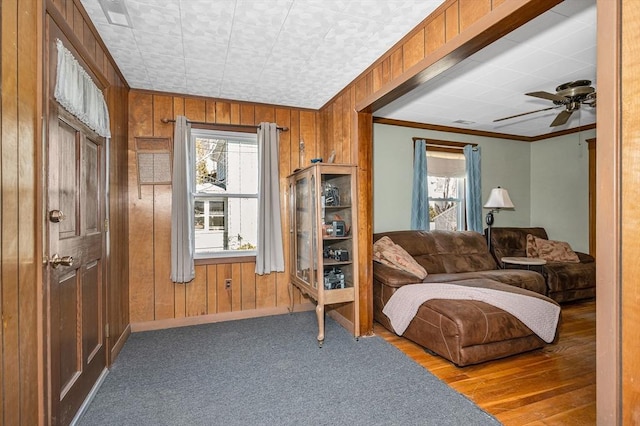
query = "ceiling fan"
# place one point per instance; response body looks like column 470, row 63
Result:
column 570, row 95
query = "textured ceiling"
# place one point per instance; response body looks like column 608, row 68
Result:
column 284, row 52
column 303, row 52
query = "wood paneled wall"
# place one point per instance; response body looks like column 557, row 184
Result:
column 118, row 279
column 153, row 297
column 346, row 120
column 20, row 240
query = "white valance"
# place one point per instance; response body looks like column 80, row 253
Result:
column 79, row 95
column 446, row 164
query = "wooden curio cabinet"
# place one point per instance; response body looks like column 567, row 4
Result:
column 323, row 257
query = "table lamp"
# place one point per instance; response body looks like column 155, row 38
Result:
column 498, row 199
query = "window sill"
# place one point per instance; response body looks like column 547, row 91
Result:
column 219, row 258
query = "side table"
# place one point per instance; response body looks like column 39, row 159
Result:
column 524, row 261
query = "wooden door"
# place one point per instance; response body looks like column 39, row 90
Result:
column 75, row 217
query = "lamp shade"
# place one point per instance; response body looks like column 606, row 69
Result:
column 499, row 199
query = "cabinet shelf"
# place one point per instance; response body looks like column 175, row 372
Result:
column 331, row 262
column 309, row 217
column 348, row 237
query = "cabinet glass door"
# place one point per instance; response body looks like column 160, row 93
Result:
column 314, row 233
column 303, row 230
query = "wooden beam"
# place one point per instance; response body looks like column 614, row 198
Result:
column 491, row 27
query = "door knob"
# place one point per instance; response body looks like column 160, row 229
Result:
column 56, row 216
column 56, row 261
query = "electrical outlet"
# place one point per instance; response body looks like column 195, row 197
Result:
column 227, row 283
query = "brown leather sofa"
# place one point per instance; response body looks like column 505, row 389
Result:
column 565, row 282
column 462, row 331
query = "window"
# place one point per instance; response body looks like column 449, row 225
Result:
column 446, row 180
column 226, row 197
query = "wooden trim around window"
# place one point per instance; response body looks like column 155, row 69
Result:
column 220, row 260
column 444, row 146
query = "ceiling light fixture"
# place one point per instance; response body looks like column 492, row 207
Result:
column 464, row 122
column 116, row 12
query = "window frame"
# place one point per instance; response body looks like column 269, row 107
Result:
column 454, row 148
column 221, row 256
column 462, row 201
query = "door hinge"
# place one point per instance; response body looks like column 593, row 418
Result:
column 106, row 225
column 106, row 331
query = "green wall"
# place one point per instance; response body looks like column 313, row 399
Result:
column 547, row 180
column 560, row 188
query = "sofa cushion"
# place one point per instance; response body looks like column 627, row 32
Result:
column 528, row 280
column 394, row 277
column 419, row 244
column 565, row 277
column 445, row 251
column 554, row 251
column 463, row 251
column 388, row 253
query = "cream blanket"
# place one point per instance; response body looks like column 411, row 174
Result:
column 539, row 315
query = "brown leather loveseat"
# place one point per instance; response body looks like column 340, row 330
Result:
column 565, row 282
column 462, row 331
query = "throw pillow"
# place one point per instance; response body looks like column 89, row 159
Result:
column 555, row 251
column 388, row 253
column 532, row 250
column 381, row 245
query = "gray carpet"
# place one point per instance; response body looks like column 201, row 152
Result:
column 270, row 371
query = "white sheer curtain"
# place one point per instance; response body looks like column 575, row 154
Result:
column 182, row 226
column 270, row 256
column 78, row 94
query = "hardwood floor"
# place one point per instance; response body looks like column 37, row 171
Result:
column 555, row 385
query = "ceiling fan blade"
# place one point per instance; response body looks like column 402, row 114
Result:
column 548, row 96
column 525, row 113
column 562, row 118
